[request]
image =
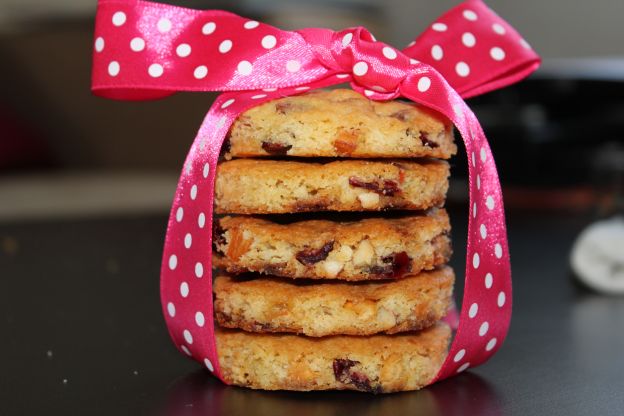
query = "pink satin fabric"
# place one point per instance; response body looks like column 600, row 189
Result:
column 145, row 50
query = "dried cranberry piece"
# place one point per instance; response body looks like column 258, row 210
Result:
column 218, row 236
column 276, row 148
column 344, row 373
column 400, row 263
column 424, row 138
column 314, row 255
column 388, row 188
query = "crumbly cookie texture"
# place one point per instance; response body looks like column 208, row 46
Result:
column 340, row 123
column 250, row 186
column 376, row 364
column 368, row 249
column 331, row 308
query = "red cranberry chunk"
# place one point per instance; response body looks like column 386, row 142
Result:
column 276, row 148
column 312, row 256
column 400, row 263
column 386, row 188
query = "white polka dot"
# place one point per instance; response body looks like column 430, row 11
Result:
column 179, row 214
column 188, row 240
column 164, row 25
column 227, row 103
column 414, row 61
column 208, row 364
column 412, row 43
column 439, row 27
column 474, row 161
column 501, row 299
column 498, row 250
column 483, row 329
column 209, row 28
column 470, row 15
column 201, row 220
column 304, row 88
column 99, row 44
column 119, row 18
column 491, row 344
column 251, row 24
column 342, row 76
column 368, row 93
column 478, row 182
column 137, row 44
column 463, row 367
column 206, row 170
column 436, row 52
column 193, row 192
column 472, row 312
column 475, row 260
column 155, row 70
column 488, row 280
column 113, row 68
column 183, row 50
column 268, row 42
column 199, row 270
column 257, row 97
column 199, row 319
column 184, row 289
column 225, row 46
column 389, row 53
column 458, row 109
column 525, row 44
column 462, row 69
column 173, row 261
column 186, row 350
column 489, row 202
column 498, row 28
column 293, row 66
column 468, row 39
column 460, row 354
column 474, row 210
column 360, row 68
column 270, row 89
column 483, row 231
column 187, row 336
column 346, row 39
column 200, row 72
column 171, row 309
column 245, row 68
column 497, row 53
column 423, row 84
column 483, row 154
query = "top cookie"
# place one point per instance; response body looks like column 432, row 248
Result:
column 340, row 123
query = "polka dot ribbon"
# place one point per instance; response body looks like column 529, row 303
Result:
column 145, row 50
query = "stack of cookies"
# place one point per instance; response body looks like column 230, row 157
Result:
column 331, row 244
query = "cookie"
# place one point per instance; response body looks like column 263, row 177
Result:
column 250, row 186
column 371, row 248
column 340, row 123
column 376, row 364
column 331, row 308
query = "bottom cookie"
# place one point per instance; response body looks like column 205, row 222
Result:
column 375, row 364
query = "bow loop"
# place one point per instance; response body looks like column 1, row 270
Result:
column 474, row 49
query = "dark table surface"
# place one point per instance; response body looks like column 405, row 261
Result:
column 82, row 333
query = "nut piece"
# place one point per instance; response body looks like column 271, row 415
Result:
column 369, row 200
column 332, row 267
column 364, row 254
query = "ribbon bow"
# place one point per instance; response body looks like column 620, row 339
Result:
column 147, row 50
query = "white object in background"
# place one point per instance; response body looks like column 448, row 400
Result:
column 598, row 256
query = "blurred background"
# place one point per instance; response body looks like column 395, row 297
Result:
column 63, row 152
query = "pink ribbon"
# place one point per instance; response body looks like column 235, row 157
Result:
column 147, row 50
